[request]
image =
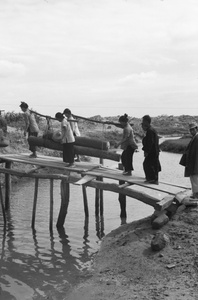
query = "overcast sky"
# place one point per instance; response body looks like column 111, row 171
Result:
column 100, row 57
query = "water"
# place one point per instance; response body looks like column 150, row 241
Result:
column 39, row 265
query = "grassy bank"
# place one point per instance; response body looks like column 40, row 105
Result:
column 175, row 145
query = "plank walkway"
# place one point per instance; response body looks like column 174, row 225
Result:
column 101, row 178
column 93, row 171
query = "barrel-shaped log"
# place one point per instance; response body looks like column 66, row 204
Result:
column 80, row 150
column 79, row 141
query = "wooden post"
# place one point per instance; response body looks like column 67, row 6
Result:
column 65, row 191
column 7, row 186
column 51, row 205
column 97, row 203
column 101, row 192
column 35, row 202
column 2, row 205
column 86, row 208
column 122, row 199
column 101, row 201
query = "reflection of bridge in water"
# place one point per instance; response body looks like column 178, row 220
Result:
column 96, row 176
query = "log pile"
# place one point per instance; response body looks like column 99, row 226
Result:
column 82, row 146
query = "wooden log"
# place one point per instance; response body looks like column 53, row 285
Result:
column 79, row 141
column 7, row 185
column 65, row 193
column 80, row 150
column 2, row 205
column 86, row 208
column 35, row 202
column 51, row 205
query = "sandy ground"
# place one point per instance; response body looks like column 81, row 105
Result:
column 127, row 268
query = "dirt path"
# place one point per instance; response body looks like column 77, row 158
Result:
column 126, row 267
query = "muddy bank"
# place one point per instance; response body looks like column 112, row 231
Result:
column 126, row 267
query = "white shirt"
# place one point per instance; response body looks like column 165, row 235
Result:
column 67, row 134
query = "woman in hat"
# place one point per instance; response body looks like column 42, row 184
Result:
column 191, row 159
column 67, row 139
column 31, row 126
column 128, row 145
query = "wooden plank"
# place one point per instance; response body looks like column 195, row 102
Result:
column 164, row 203
column 48, row 161
column 122, row 186
column 116, row 175
column 139, row 195
column 85, row 179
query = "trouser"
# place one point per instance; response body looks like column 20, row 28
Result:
column 68, row 152
column 152, row 167
column 127, row 158
column 32, row 147
column 194, row 183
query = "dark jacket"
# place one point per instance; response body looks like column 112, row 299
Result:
column 151, row 143
column 191, row 166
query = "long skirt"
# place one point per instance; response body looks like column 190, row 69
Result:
column 68, row 152
column 127, row 158
column 152, row 167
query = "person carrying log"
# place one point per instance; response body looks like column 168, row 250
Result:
column 74, row 126
column 67, row 139
column 31, row 126
column 128, row 145
column 151, row 163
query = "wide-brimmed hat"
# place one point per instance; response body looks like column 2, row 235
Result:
column 193, row 125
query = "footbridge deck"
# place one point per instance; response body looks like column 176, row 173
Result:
column 92, row 175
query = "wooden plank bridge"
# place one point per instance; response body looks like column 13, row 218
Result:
column 87, row 174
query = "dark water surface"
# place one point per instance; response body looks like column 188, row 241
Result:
column 39, row 265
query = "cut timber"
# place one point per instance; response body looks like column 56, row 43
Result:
column 85, row 179
column 92, row 143
column 164, row 203
column 79, row 141
column 88, row 151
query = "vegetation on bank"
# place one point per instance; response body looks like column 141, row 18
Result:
column 175, row 145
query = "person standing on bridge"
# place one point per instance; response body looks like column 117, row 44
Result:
column 128, row 145
column 190, row 159
column 67, row 139
column 74, row 126
column 31, row 126
column 151, row 163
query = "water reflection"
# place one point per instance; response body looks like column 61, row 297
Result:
column 39, row 264
column 42, row 269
